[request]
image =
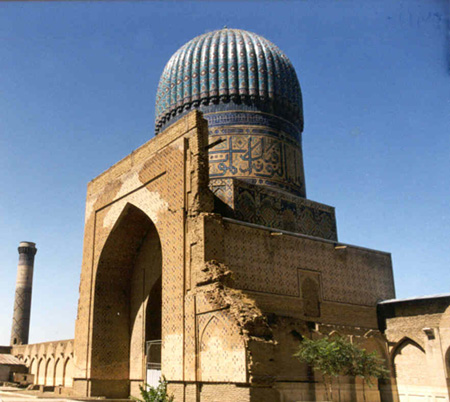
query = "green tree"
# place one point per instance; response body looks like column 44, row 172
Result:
column 338, row 356
column 367, row 366
column 155, row 394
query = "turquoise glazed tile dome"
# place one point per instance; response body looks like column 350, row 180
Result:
column 248, row 92
column 229, row 66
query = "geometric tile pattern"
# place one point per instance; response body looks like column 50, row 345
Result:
column 275, row 270
column 22, row 301
column 310, row 291
column 21, row 317
column 203, row 341
column 271, row 208
column 151, row 180
column 221, row 348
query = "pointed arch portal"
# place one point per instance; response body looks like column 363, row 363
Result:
column 127, row 304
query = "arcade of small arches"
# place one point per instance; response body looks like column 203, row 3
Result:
column 51, row 363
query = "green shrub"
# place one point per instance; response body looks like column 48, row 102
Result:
column 155, row 394
column 338, row 356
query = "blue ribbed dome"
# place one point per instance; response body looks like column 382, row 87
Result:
column 229, row 66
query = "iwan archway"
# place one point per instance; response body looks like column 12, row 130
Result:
column 127, row 309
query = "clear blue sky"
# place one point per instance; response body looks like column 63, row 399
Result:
column 77, row 93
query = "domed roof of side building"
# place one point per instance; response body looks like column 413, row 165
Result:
column 229, row 66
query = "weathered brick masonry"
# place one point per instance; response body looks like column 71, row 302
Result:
column 203, row 241
column 236, row 297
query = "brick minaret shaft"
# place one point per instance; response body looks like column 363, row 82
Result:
column 22, row 303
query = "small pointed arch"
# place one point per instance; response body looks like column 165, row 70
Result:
column 59, row 372
column 410, row 366
column 406, row 343
column 402, row 343
column 33, row 368
column 212, row 319
column 219, row 335
column 40, row 374
column 68, row 373
column 49, row 368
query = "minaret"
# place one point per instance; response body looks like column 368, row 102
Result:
column 22, row 303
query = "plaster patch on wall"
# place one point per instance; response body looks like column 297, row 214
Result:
column 178, row 145
column 129, row 183
column 172, row 348
column 148, row 201
column 90, row 203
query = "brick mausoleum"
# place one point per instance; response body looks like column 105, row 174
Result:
column 204, row 259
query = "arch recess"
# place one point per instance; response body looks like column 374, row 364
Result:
column 410, row 367
column 311, row 298
column 68, row 373
column 33, row 369
column 230, row 365
column 401, row 343
column 130, row 264
column 40, row 376
column 49, row 372
column 59, row 373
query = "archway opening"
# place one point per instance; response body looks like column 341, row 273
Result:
column 410, row 369
column 68, row 373
column 59, row 373
column 153, row 334
column 127, row 295
column 40, row 380
column 49, row 372
column 33, row 370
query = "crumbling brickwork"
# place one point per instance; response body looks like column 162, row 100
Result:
column 225, row 277
column 235, row 298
